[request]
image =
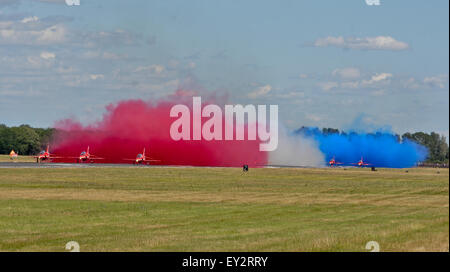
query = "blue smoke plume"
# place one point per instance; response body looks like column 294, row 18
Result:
column 380, row 149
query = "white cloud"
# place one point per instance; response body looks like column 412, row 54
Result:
column 366, row 43
column 65, row 70
column 30, row 19
column 47, row 55
column 378, row 84
column 109, row 38
column 38, row 62
column 382, row 77
column 411, row 83
column 52, row 30
column 154, row 69
column 375, row 81
column 335, row 41
column 326, row 86
column 104, row 55
column 438, row 81
column 161, row 88
column 260, row 91
column 53, row 34
column 350, row 84
column 113, row 56
column 347, row 73
column 31, row 92
column 96, row 76
column 50, row 35
column 291, row 95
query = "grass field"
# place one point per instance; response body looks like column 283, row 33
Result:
column 224, row 209
column 5, row 158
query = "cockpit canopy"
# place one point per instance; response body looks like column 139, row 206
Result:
column 42, row 152
column 139, row 156
column 83, row 153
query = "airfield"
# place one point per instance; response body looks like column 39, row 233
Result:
column 148, row 208
column 72, row 165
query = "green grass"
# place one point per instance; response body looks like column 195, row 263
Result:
column 20, row 158
column 223, row 209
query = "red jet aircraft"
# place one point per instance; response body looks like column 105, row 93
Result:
column 45, row 156
column 85, row 156
column 333, row 162
column 361, row 163
column 142, row 159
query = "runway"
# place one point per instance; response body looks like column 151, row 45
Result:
column 117, row 165
column 100, row 165
column 55, row 165
column 73, row 165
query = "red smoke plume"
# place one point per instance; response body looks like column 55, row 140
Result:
column 129, row 126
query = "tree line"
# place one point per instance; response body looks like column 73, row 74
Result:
column 27, row 140
column 24, row 140
column 438, row 150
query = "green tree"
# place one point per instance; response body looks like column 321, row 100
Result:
column 25, row 140
column 437, row 145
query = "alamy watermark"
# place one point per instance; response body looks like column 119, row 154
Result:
column 73, row 246
column 373, row 246
column 212, row 129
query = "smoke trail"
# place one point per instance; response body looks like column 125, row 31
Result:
column 380, row 149
column 129, row 126
column 296, row 150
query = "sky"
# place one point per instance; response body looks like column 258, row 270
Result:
column 327, row 63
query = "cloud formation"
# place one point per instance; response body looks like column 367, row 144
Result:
column 377, row 78
column 365, row 43
column 47, row 55
column 437, row 81
column 348, row 73
column 12, row 33
column 349, row 78
column 260, row 91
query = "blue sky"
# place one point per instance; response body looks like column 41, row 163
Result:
column 325, row 63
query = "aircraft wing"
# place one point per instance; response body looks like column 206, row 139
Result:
column 96, row 158
column 51, row 157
